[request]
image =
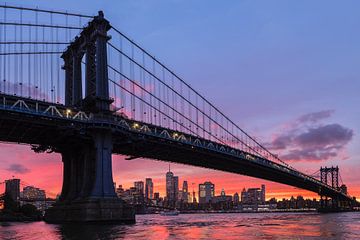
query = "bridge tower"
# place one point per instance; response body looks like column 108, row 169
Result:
column 333, row 182
column 88, row 192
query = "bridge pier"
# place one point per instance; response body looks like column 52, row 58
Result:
column 88, row 193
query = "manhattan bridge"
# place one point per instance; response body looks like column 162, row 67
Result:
column 76, row 85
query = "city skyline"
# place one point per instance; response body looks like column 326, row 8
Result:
column 288, row 122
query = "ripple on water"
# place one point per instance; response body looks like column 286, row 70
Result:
column 199, row 226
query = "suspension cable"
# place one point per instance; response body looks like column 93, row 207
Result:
column 202, row 97
column 39, row 25
column 46, row 11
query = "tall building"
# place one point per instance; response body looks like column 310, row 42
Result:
column 169, row 185
column 12, row 189
column 253, row 195
column 172, row 187
column 236, row 199
column 149, row 188
column 185, row 192
column 33, row 193
column 206, row 192
column 139, row 185
column 176, row 187
column 263, row 199
column 156, row 196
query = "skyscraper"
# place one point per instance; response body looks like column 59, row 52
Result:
column 236, row 199
column 263, row 193
column 149, row 188
column 139, row 185
column 169, row 185
column 206, row 192
column 185, row 192
column 12, row 189
column 172, row 187
column 176, row 188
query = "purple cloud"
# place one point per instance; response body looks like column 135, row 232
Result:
column 18, row 168
column 315, row 142
column 316, row 116
column 324, row 136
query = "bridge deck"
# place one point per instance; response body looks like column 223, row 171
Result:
column 34, row 122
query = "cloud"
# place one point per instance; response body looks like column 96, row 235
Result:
column 18, row 168
column 331, row 135
column 309, row 139
column 316, row 116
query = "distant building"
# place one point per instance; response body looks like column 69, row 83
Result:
column 236, row 199
column 156, row 196
column 139, row 186
column 185, row 192
column 12, row 189
column 253, row 195
column 206, row 192
column 172, row 187
column 120, row 191
column 169, row 185
column 149, row 188
column 33, row 193
column 176, row 187
column 263, row 198
column 223, row 199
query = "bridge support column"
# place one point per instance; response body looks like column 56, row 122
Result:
column 88, row 192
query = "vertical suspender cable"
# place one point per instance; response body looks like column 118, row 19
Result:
column 29, row 66
column 36, row 60
column 4, row 80
column 16, row 65
column 4, row 62
column 21, row 57
column 51, row 62
column 58, row 71
column 132, row 84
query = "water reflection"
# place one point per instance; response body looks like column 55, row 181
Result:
column 200, row 226
column 91, row 231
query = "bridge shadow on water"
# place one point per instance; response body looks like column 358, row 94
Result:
column 92, row 231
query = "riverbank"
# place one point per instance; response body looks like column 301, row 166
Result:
column 240, row 211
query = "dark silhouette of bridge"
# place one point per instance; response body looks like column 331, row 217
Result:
column 113, row 97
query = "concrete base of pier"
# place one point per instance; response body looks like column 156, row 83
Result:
column 97, row 210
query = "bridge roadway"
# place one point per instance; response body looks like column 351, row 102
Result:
column 40, row 123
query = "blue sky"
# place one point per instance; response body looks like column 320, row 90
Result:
column 265, row 63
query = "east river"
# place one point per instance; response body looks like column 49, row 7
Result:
column 200, row 226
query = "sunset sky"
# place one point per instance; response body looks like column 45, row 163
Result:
column 288, row 73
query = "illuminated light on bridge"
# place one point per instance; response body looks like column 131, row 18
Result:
column 114, row 97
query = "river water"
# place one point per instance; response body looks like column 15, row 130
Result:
column 200, row 226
